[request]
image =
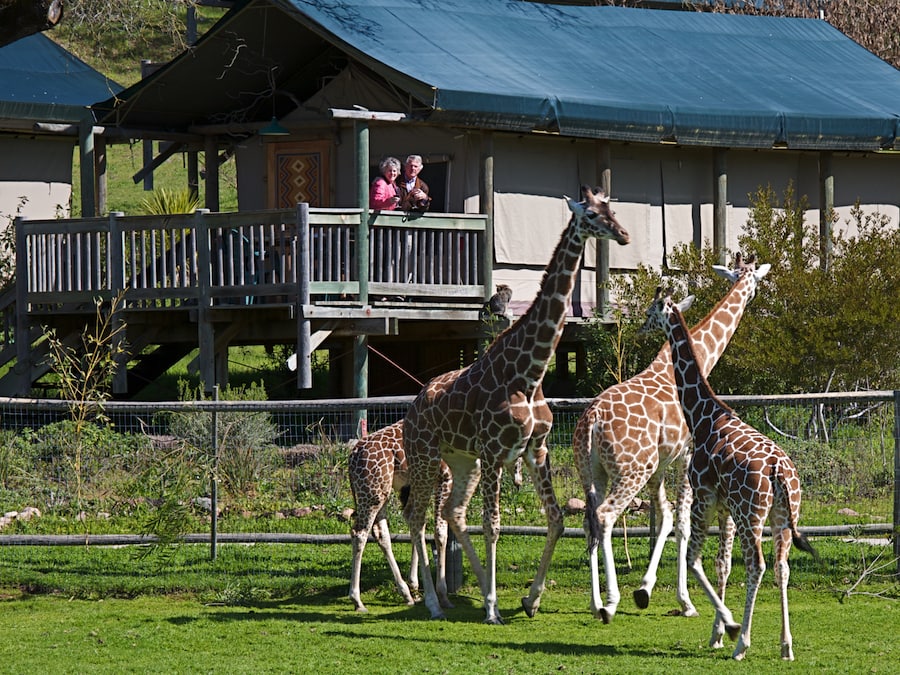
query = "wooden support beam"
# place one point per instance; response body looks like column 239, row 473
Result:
column 720, row 209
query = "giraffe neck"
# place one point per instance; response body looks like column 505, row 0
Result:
column 711, row 336
column 698, row 401
column 531, row 341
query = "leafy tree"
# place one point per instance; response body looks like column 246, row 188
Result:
column 807, row 330
column 817, row 330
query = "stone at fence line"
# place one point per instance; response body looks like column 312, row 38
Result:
column 28, row 513
column 204, row 503
column 346, row 515
column 574, row 506
column 25, row 514
column 850, row 513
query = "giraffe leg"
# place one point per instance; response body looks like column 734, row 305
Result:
column 594, row 535
column 682, row 537
column 723, row 571
column 359, row 536
column 620, row 495
column 782, row 540
column 413, row 568
column 666, row 524
column 422, row 483
column 751, row 547
column 442, row 494
column 491, row 521
column 542, row 477
column 383, row 536
column 724, row 620
column 466, row 476
column 593, row 481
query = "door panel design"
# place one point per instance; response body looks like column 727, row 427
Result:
column 298, row 172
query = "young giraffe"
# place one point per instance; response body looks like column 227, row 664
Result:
column 632, row 432
column 737, row 469
column 483, row 417
column 377, row 465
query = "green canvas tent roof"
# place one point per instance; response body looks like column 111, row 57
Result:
column 41, row 81
column 585, row 71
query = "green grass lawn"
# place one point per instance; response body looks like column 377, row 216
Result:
column 273, row 609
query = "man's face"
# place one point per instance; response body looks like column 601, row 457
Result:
column 413, row 168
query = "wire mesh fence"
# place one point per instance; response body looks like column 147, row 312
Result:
column 846, row 447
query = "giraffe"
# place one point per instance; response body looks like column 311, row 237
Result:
column 377, row 465
column 633, row 431
column 733, row 468
column 486, row 415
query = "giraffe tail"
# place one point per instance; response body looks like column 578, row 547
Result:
column 801, row 542
column 787, row 472
column 590, row 517
column 404, row 495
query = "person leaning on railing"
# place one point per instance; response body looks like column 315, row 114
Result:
column 383, row 193
column 413, row 190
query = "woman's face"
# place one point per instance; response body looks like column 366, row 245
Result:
column 391, row 173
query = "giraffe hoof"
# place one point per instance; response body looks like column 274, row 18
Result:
column 733, row 630
column 494, row 620
column 530, row 609
column 605, row 616
column 642, row 598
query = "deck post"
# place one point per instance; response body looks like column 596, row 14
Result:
column 205, row 334
column 826, row 209
column 117, row 285
column 361, row 342
column 23, row 323
column 301, row 255
column 211, row 160
column 720, row 209
column 601, row 281
column 87, row 166
column 487, row 207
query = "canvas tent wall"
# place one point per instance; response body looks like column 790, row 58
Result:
column 42, row 84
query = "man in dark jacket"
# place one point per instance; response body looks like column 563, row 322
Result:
column 413, row 190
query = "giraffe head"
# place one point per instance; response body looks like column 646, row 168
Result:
column 744, row 268
column 593, row 215
column 661, row 308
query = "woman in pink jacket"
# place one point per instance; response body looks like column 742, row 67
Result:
column 383, row 193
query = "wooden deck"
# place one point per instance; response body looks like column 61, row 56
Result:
column 214, row 279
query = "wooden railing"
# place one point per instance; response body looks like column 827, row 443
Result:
column 248, row 258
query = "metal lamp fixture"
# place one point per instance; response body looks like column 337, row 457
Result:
column 273, row 128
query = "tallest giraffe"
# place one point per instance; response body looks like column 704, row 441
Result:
column 483, row 417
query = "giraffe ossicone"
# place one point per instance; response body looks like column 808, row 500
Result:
column 631, row 433
column 736, row 469
column 485, row 416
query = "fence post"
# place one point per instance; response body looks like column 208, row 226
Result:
column 214, row 479
column 896, row 531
